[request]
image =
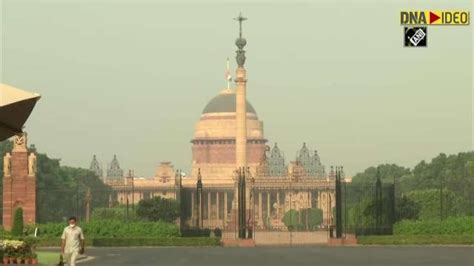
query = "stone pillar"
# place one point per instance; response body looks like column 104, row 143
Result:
column 260, row 209
column 209, row 207
column 241, row 118
column 225, row 209
column 217, row 205
column 268, row 204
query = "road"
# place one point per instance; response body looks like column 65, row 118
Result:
column 284, row 256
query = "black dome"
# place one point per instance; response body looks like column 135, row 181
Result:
column 225, row 103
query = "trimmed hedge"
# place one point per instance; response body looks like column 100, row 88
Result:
column 196, row 232
column 135, row 241
column 450, row 226
column 174, row 241
column 114, row 228
column 417, row 240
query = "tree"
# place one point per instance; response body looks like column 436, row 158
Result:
column 388, row 173
column 158, row 209
column 17, row 229
column 407, row 209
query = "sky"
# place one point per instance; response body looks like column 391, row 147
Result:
column 131, row 78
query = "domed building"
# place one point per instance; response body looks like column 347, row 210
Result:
column 214, row 142
column 229, row 136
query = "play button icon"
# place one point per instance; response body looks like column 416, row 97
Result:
column 433, row 17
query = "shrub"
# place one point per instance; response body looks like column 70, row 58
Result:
column 173, row 241
column 115, row 228
column 218, row 232
column 451, row 226
column 117, row 213
column 196, row 232
column 17, row 229
column 158, row 209
column 303, row 219
column 416, row 240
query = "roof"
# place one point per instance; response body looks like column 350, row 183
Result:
column 225, row 103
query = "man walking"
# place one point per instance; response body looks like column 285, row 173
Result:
column 72, row 242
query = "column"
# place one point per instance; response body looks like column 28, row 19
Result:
column 225, row 209
column 268, row 204
column 260, row 210
column 208, row 206
column 192, row 208
column 217, row 205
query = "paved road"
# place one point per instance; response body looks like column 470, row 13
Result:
column 284, row 256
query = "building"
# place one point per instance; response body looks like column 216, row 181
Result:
column 229, row 135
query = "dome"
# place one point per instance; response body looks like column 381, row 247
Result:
column 225, row 103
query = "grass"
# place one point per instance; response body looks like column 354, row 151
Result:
column 417, row 240
column 48, row 258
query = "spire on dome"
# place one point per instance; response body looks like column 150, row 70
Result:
column 240, row 42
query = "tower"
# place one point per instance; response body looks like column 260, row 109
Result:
column 114, row 172
column 241, row 100
column 95, row 167
column 19, row 182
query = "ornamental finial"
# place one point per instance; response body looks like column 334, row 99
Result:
column 240, row 19
column 240, row 42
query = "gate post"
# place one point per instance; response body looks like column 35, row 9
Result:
column 338, row 203
column 241, row 204
column 198, row 208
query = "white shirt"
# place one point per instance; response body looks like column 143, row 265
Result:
column 72, row 237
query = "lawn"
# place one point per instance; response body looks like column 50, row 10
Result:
column 417, row 240
column 48, row 258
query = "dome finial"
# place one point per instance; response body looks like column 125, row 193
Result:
column 240, row 42
column 240, row 18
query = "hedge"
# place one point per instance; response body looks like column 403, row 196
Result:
column 417, row 240
column 114, row 228
column 174, row 241
column 135, row 241
column 195, row 232
column 450, row 226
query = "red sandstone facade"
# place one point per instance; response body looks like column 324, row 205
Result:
column 19, row 183
column 222, row 151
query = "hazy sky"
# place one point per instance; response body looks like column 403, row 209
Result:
column 132, row 77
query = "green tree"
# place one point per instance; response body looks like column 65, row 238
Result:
column 17, row 229
column 388, row 173
column 407, row 209
column 158, row 209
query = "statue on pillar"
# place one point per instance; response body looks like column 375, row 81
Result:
column 32, row 164
column 7, row 164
